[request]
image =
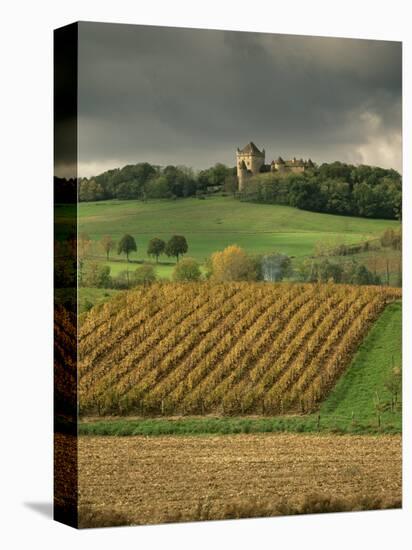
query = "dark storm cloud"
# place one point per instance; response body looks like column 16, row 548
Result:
column 184, row 96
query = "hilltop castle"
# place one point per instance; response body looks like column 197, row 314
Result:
column 250, row 161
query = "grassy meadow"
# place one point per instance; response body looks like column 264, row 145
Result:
column 216, row 222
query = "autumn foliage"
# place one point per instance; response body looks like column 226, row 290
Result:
column 233, row 264
column 232, row 348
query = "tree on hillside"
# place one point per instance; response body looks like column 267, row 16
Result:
column 276, row 267
column 107, row 243
column 187, row 270
column 156, row 247
column 97, row 275
column 159, row 188
column 176, row 246
column 321, row 271
column 230, row 184
column 359, row 274
column 90, row 190
column 393, row 384
column 233, row 264
column 83, row 246
column 392, row 238
column 126, row 245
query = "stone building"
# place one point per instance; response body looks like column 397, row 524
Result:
column 250, row 161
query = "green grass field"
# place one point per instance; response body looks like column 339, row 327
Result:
column 349, row 408
column 212, row 224
column 95, row 296
column 364, row 383
column 163, row 270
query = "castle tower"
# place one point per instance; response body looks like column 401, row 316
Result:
column 249, row 161
column 242, row 174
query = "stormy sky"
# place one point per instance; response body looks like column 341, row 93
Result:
column 184, row 96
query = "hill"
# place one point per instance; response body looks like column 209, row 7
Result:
column 235, row 348
column 214, row 223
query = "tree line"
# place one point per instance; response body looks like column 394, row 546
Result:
column 145, row 181
column 231, row 264
column 335, row 188
column 95, row 274
column 175, row 246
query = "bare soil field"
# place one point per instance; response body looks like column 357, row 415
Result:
column 142, row 480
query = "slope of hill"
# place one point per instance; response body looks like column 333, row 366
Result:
column 235, row 348
column 363, row 390
column 217, row 222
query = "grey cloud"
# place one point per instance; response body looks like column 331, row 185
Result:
column 187, row 96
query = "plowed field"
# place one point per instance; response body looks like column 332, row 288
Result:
column 141, row 480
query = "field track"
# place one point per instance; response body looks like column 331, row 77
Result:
column 152, row 480
column 234, row 348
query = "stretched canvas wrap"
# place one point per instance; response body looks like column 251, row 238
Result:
column 227, row 274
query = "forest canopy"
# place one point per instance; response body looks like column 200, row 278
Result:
column 144, row 181
column 335, row 188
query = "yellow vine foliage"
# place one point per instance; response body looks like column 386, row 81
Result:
column 224, row 348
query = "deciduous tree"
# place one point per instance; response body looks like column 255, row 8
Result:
column 126, row 245
column 156, row 247
column 107, row 243
column 233, row 264
column 176, row 246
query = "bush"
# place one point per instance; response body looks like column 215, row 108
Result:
column 326, row 270
column 122, row 281
column 187, row 270
column 144, row 275
column 359, row 274
column 87, row 306
column 392, row 239
column 97, row 275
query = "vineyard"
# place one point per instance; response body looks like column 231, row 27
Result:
column 234, row 348
column 64, row 360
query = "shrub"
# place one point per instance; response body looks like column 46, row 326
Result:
column 97, row 275
column 187, row 270
column 144, row 275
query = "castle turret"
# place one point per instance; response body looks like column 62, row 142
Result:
column 242, row 175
